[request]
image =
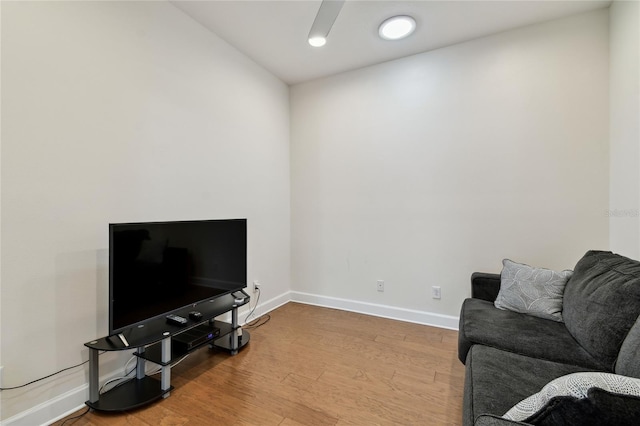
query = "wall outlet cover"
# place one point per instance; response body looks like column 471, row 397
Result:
column 436, row 292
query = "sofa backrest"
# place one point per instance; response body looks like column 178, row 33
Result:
column 602, row 302
column 628, row 362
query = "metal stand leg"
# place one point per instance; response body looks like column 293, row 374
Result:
column 94, row 375
column 234, row 333
column 140, row 364
column 165, row 381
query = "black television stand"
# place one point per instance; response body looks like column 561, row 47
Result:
column 152, row 343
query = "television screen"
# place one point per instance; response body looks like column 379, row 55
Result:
column 156, row 268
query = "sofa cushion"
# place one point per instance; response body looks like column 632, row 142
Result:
column 496, row 380
column 482, row 323
column 532, row 291
column 575, row 385
column 602, row 302
column 628, row 362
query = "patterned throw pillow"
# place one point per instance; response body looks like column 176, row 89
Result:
column 533, row 291
column 576, row 385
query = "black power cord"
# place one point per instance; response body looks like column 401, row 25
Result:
column 256, row 322
column 76, row 417
column 42, row 378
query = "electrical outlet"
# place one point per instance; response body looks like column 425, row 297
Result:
column 381, row 285
column 435, row 292
column 256, row 286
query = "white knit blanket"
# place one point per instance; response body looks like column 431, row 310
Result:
column 576, row 385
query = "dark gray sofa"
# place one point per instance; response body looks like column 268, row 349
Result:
column 509, row 356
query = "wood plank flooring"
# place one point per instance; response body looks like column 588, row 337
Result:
column 314, row 366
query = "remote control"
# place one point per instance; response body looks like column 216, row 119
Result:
column 123, row 339
column 195, row 315
column 175, row 319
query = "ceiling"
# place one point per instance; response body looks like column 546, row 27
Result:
column 274, row 33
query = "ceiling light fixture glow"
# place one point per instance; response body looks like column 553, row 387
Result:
column 317, row 41
column 397, row 27
column 326, row 16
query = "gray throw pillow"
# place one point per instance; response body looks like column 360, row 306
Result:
column 533, row 291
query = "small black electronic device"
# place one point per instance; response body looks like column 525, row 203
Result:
column 176, row 319
column 194, row 337
column 240, row 296
column 195, row 315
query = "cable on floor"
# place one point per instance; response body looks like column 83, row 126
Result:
column 42, row 378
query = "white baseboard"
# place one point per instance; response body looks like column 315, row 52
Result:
column 385, row 311
column 49, row 411
column 73, row 400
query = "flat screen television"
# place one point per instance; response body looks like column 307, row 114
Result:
column 157, row 268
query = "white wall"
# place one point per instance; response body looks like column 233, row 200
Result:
column 422, row 170
column 121, row 111
column 624, row 132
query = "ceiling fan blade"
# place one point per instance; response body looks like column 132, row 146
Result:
column 327, row 14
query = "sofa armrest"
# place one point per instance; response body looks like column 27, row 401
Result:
column 485, row 286
column 491, row 420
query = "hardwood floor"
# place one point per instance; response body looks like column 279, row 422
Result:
column 314, row 366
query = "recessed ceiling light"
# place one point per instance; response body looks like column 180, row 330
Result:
column 397, row 27
column 317, row 41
